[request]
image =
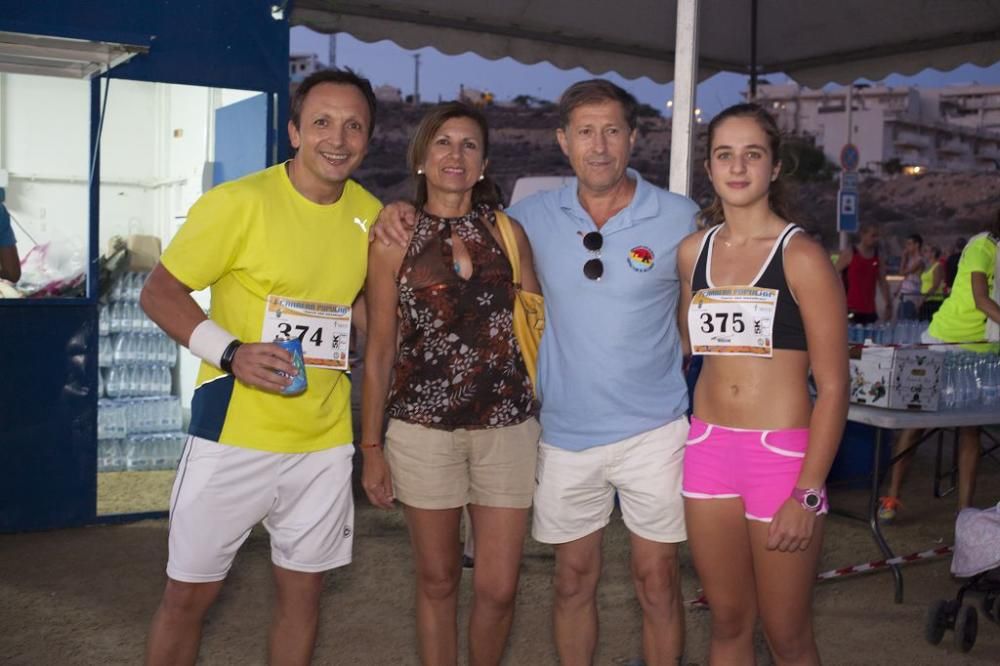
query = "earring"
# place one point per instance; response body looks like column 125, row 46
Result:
column 482, row 176
column 420, row 172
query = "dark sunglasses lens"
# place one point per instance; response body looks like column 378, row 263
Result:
column 593, row 241
column 593, row 269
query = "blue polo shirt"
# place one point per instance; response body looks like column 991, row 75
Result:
column 609, row 366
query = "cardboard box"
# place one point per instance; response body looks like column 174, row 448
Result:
column 896, row 377
column 143, row 252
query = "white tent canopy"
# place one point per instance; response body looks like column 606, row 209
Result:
column 813, row 41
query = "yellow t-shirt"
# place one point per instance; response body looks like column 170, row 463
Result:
column 958, row 319
column 255, row 237
column 927, row 281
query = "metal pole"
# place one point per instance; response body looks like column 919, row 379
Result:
column 331, row 61
column 753, row 50
column 844, row 237
column 685, row 82
column 416, row 78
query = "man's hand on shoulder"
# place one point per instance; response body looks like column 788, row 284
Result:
column 258, row 364
column 395, row 224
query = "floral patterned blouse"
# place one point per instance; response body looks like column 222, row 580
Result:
column 459, row 364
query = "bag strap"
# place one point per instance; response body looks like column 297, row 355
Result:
column 507, row 235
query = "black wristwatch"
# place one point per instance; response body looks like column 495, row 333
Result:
column 226, row 362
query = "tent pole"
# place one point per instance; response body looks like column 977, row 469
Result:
column 685, row 82
column 753, row 50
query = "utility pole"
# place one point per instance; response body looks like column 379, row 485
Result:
column 416, row 78
column 332, row 57
column 845, row 240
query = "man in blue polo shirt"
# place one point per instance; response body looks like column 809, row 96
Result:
column 613, row 394
column 609, row 374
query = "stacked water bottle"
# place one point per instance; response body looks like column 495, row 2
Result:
column 138, row 419
column 970, row 381
column 902, row 332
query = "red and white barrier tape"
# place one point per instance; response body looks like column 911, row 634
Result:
column 881, row 564
column 701, row 601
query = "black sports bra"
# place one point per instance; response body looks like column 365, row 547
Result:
column 788, row 332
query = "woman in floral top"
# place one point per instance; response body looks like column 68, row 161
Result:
column 462, row 428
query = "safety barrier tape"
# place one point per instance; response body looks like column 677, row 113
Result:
column 874, row 565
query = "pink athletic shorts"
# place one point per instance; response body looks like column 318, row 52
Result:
column 759, row 466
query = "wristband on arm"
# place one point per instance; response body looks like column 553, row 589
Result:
column 214, row 345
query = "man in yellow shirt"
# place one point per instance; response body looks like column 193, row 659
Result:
column 284, row 251
column 964, row 317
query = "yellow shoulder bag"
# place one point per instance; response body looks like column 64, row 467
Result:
column 529, row 308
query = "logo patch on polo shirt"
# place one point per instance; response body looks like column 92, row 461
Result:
column 640, row 258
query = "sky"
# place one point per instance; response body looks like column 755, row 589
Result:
column 440, row 75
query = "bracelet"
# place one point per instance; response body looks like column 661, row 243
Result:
column 226, row 362
column 373, row 445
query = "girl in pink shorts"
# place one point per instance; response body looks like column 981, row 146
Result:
column 762, row 304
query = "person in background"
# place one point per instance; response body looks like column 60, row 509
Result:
column 290, row 239
column 462, row 429
column 911, row 266
column 863, row 272
column 761, row 303
column 951, row 263
column 10, row 263
column 932, row 283
column 964, row 317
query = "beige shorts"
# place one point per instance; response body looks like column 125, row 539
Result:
column 576, row 489
column 445, row 469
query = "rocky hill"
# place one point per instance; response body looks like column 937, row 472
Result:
column 938, row 206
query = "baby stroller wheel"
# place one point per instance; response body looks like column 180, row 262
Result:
column 937, row 621
column 966, row 626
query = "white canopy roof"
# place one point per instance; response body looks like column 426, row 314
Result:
column 813, row 41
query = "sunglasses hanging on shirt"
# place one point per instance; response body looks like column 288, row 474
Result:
column 593, row 269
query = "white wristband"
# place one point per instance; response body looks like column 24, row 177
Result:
column 208, row 341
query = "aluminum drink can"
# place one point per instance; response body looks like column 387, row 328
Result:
column 299, row 383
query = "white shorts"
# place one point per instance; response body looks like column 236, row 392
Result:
column 575, row 494
column 221, row 492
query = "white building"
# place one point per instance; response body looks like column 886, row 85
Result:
column 301, row 65
column 387, row 93
column 938, row 129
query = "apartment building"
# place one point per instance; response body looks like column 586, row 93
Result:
column 918, row 129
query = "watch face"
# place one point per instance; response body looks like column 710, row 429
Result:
column 811, row 501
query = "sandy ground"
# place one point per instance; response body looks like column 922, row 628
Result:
column 85, row 596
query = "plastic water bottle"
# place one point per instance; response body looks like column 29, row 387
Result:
column 110, row 456
column 166, row 380
column 170, row 349
column 117, row 289
column 966, row 391
column 114, row 387
column 135, row 454
column 176, row 414
column 988, row 373
column 104, row 320
column 137, row 316
column 868, row 333
column 114, row 318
